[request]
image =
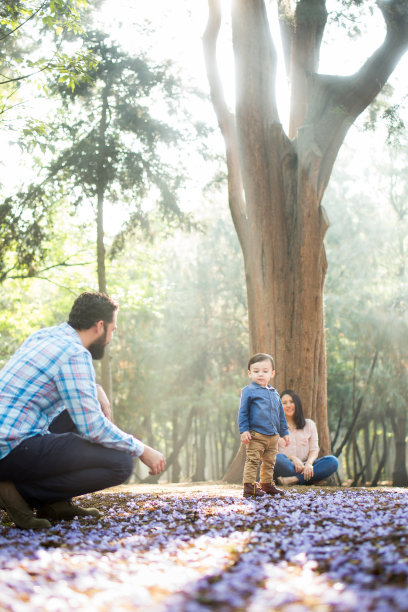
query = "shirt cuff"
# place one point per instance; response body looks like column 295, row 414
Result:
column 139, row 450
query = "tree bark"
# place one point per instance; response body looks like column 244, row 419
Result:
column 276, row 184
column 235, row 471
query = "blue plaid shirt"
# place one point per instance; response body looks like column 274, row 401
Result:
column 51, row 371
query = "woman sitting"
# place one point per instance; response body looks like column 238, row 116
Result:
column 298, row 462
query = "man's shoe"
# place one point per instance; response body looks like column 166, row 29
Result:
column 18, row 509
column 270, row 489
column 252, row 490
column 66, row 511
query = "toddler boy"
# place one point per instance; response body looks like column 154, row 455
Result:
column 261, row 420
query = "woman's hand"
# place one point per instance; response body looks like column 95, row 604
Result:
column 308, row 471
column 246, row 437
column 299, row 467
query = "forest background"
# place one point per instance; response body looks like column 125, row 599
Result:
column 149, row 222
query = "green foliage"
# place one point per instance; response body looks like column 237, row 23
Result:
column 57, row 15
column 350, row 14
column 116, row 146
column 24, row 222
column 366, row 296
column 45, row 298
column 31, row 38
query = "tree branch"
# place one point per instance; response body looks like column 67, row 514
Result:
column 225, row 119
column 26, row 21
column 336, row 102
column 310, row 18
column 24, row 76
column 62, row 264
column 287, row 31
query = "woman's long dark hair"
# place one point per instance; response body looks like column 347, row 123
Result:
column 299, row 417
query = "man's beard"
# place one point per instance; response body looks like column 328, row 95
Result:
column 97, row 348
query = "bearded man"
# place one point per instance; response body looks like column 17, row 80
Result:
column 56, row 440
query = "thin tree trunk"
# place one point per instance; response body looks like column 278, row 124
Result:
column 348, row 468
column 106, row 373
column 383, row 459
column 175, row 468
column 338, row 426
column 363, row 474
column 399, row 425
column 216, row 456
column 358, row 464
column 199, row 473
column 368, row 450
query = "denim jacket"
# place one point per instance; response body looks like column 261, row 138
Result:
column 261, row 410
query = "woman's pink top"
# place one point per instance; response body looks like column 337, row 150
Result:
column 301, row 441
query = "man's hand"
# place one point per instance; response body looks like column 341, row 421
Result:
column 104, row 402
column 153, row 459
column 246, row 437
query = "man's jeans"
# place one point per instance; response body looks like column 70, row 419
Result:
column 57, row 466
column 322, row 468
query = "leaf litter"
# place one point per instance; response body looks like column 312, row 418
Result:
column 191, row 549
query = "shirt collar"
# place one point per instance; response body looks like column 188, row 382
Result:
column 269, row 387
column 70, row 331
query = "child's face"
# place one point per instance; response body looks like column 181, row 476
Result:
column 261, row 372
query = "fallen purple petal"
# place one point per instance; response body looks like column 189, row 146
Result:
column 191, row 550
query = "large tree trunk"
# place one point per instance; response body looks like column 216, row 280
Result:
column 234, row 472
column 276, row 184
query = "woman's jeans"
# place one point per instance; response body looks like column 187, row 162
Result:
column 61, row 464
column 322, row 468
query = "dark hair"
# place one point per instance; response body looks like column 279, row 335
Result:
column 261, row 357
column 298, row 417
column 91, row 307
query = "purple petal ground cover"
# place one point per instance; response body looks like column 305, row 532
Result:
column 191, row 550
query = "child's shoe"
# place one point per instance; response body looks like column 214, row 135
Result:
column 270, row 489
column 252, row 490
